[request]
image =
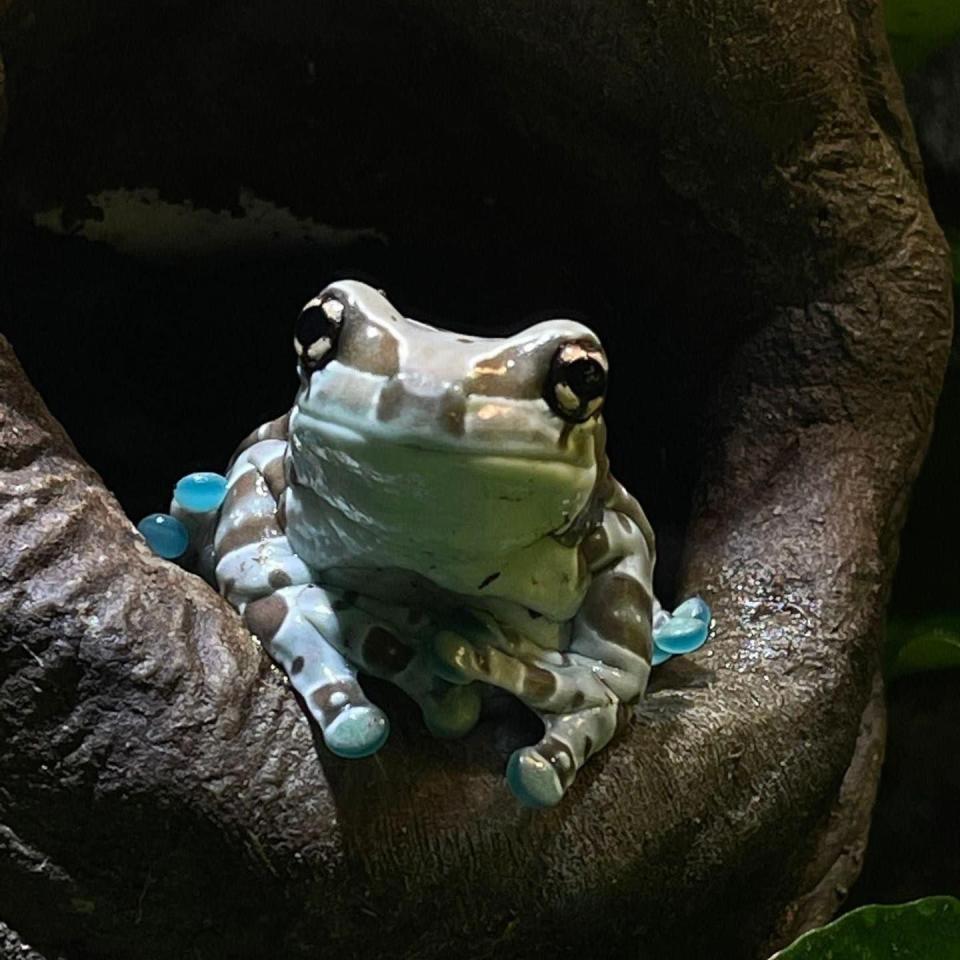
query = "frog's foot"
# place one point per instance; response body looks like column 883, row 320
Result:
column 196, row 503
column 540, row 775
column 352, row 726
column 682, row 631
column 450, row 710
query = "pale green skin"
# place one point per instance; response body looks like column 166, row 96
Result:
column 452, row 508
column 430, row 494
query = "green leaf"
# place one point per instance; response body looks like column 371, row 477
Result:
column 929, row 644
column 917, row 28
column 923, row 930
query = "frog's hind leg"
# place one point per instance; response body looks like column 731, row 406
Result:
column 300, row 630
column 614, row 627
column 539, row 775
column 611, row 642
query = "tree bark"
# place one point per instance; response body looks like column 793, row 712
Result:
column 162, row 795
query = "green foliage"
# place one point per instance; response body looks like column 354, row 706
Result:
column 932, row 643
column 926, row 929
column 919, row 27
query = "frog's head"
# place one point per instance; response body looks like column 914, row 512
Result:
column 450, row 443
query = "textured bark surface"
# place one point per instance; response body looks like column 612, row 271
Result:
column 160, row 792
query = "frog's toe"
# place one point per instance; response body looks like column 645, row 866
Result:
column 681, row 635
column 695, row 607
column 533, row 779
column 357, row 731
column 540, row 775
column 454, row 713
column 452, row 658
column 165, row 535
column 200, row 492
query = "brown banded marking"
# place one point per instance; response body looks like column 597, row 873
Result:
column 254, row 488
column 369, row 348
column 252, row 556
column 547, row 769
column 304, row 634
column 560, row 756
column 595, row 548
column 275, row 476
column 517, row 372
column 614, row 626
column 240, row 491
column 447, row 410
column 278, row 579
column 620, row 610
column 253, row 529
column 264, row 617
column 384, row 653
column 546, row 680
column 278, row 429
column 588, row 519
column 539, row 685
column 330, row 699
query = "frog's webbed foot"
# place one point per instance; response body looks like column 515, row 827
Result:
column 286, row 624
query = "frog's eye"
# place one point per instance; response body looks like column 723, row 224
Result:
column 577, row 382
column 316, row 332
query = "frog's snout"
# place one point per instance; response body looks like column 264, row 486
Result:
column 445, row 408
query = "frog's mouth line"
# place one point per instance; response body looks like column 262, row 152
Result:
column 356, row 435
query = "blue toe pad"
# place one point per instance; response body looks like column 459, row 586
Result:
column 684, row 632
column 200, row 492
column 165, row 535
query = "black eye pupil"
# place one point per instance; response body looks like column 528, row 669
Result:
column 312, row 324
column 576, row 382
column 586, row 378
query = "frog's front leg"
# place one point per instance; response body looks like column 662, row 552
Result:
column 286, row 623
column 260, row 574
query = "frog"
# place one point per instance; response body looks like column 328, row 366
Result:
column 437, row 510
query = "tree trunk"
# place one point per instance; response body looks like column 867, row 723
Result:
column 161, row 793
